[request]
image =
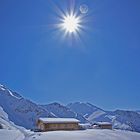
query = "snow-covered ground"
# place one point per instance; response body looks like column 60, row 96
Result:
column 11, row 135
column 87, row 135
column 91, row 134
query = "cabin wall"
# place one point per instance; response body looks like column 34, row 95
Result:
column 40, row 125
column 62, row 126
column 105, row 126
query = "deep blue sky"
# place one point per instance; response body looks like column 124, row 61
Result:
column 103, row 68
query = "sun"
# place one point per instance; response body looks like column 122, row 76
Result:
column 70, row 23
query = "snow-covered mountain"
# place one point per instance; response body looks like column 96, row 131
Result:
column 21, row 111
column 10, row 131
column 85, row 109
column 62, row 111
column 127, row 120
column 138, row 111
column 24, row 112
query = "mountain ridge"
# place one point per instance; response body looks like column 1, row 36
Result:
column 21, row 111
column 24, row 112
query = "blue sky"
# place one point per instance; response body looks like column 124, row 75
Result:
column 103, row 67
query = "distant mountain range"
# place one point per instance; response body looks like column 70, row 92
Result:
column 24, row 112
column 62, row 111
column 126, row 120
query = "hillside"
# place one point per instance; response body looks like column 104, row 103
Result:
column 21, row 111
column 85, row 109
column 121, row 119
column 24, row 112
column 12, row 132
column 8, row 130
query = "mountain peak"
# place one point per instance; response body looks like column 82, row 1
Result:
column 84, row 109
column 62, row 111
column 7, row 92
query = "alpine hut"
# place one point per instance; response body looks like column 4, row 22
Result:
column 52, row 124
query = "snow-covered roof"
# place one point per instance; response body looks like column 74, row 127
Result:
column 103, row 123
column 59, row 120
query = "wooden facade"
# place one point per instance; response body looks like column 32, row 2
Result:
column 104, row 125
column 56, row 125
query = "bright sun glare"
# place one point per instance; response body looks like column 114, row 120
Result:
column 71, row 23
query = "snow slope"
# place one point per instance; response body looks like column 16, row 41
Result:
column 21, row 111
column 9, row 130
column 4, row 121
column 84, row 109
column 138, row 112
column 11, row 135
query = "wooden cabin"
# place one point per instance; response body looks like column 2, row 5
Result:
column 102, row 125
column 53, row 124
